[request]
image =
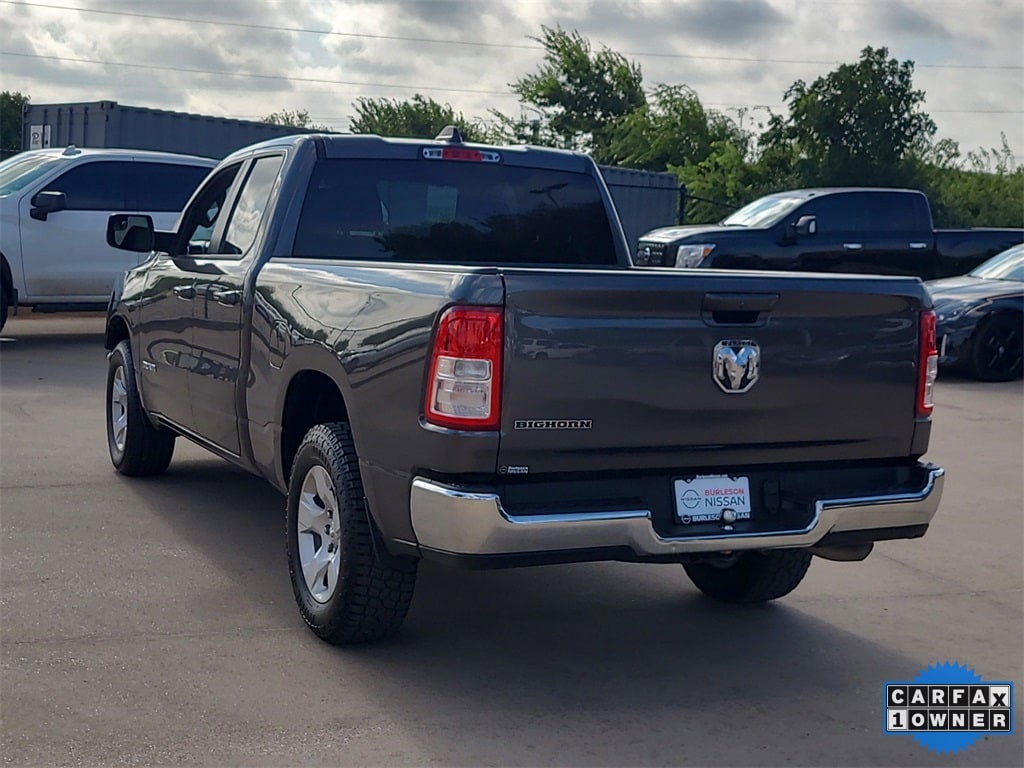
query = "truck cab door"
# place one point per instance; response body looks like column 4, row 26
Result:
column 833, row 244
column 165, row 353
column 218, row 376
column 865, row 233
column 899, row 235
column 65, row 256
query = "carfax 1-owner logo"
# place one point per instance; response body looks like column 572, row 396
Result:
column 948, row 707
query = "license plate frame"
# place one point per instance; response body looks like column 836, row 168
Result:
column 713, row 499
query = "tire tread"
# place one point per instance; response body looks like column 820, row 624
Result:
column 374, row 592
column 4, row 302
column 978, row 365
column 147, row 450
column 756, row 577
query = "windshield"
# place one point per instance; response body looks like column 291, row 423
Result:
column 764, row 212
column 1008, row 265
column 21, row 170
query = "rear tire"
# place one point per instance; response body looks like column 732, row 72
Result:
column 996, row 348
column 137, row 448
column 753, row 577
column 347, row 590
column 4, row 302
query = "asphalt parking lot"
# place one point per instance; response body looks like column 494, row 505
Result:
column 151, row 622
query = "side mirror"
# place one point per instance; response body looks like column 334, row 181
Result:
column 45, row 203
column 130, row 232
column 805, row 225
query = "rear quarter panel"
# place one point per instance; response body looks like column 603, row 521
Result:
column 370, row 329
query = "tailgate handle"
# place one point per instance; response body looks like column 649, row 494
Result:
column 738, row 308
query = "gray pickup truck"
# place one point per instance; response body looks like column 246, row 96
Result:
column 441, row 350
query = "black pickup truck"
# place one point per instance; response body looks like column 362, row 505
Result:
column 857, row 230
column 441, row 350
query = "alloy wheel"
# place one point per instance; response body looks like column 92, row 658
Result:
column 119, row 408
column 1001, row 348
column 319, row 536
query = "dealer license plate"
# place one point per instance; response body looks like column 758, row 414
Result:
column 712, row 499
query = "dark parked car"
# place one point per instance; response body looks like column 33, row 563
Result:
column 980, row 317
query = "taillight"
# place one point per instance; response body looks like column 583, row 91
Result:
column 464, row 387
column 928, row 365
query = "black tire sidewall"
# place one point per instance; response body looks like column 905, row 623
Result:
column 147, row 449
column 979, row 368
column 373, row 592
column 117, row 359
column 4, row 303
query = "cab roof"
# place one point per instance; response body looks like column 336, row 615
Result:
column 371, row 146
column 71, row 152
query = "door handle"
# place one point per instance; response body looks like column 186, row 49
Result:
column 918, row 246
column 228, row 298
column 853, row 246
column 737, row 308
column 184, row 291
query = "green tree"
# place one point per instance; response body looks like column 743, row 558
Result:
column 859, row 124
column 720, row 183
column 579, row 93
column 962, row 198
column 298, row 118
column 998, row 160
column 674, row 128
column 525, row 129
column 988, row 192
column 11, row 106
column 417, row 118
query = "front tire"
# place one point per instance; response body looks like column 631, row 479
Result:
column 752, row 577
column 996, row 348
column 346, row 589
column 137, row 448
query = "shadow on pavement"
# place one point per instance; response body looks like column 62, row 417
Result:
column 623, row 653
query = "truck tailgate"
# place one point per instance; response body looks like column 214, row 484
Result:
column 706, row 370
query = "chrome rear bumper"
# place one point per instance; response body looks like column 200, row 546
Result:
column 455, row 521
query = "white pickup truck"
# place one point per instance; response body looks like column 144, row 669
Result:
column 54, row 206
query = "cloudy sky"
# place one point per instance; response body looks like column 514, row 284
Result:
column 246, row 58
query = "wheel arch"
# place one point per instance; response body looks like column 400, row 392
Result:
column 998, row 309
column 117, row 331
column 312, row 397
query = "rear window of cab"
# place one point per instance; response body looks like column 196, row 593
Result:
column 453, row 213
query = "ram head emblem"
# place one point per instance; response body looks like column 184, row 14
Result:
column 736, row 365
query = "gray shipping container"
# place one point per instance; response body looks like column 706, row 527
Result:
column 644, row 200
column 107, row 124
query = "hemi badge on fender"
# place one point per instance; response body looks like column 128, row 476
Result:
column 552, row 424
